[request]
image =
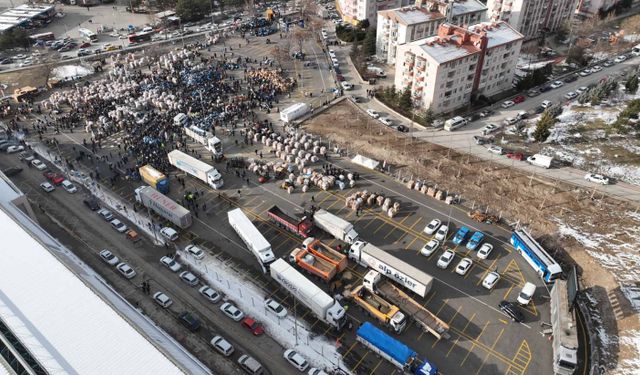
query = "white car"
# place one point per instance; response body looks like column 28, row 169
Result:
column 510, row 120
column 315, row 371
column 126, row 270
column 275, row 308
column 109, row 257
column 119, row 225
column 69, row 187
column 556, row 84
column 189, row 278
column 585, row 72
column 194, row 250
column 386, row 120
column 106, row 214
column 223, row 346
column 570, row 95
column 47, row 187
column 430, row 247
column 546, row 104
column 346, row 85
column 508, row 104
column 582, row 89
column 489, row 128
column 445, row 259
column 12, row 149
column 442, row 232
column 490, row 280
column 620, row 59
column 210, row 294
column 464, row 266
column 296, row 360
column 170, row 263
column 231, row 311
column 373, row 113
column 162, row 299
column 332, row 53
column 38, row 164
column 485, row 250
column 169, row 233
column 596, row 69
column 597, row 178
column 432, row 227
column 495, row 149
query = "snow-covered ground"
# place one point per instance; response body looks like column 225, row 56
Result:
column 69, row 71
column 249, row 297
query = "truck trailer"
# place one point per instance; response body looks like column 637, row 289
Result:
column 540, row 160
column 314, row 264
column 294, row 112
column 163, row 206
column 376, row 306
column 301, row 227
column 339, row 228
column 154, row 178
column 207, row 139
column 196, row 168
column 400, row 355
column 375, row 283
column 318, row 247
column 252, row 238
column 309, row 294
column 397, row 270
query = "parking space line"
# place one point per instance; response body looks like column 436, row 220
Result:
column 487, row 271
column 394, row 228
column 506, row 294
column 375, row 368
column 410, row 243
column 449, row 323
column 360, row 361
column 488, row 353
column 349, row 350
column 380, row 227
column 474, row 343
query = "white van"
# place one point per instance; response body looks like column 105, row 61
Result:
column 181, row 119
column 169, row 233
column 454, row 123
column 526, row 293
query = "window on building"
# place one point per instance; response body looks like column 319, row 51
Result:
column 447, row 94
column 472, row 67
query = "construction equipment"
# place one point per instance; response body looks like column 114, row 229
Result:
column 483, row 217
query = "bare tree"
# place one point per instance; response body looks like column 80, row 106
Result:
column 307, row 8
column 282, row 52
column 299, row 37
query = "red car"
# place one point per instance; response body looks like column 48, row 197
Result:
column 54, row 178
column 519, row 99
column 253, row 326
column 516, row 156
column 85, row 45
column 339, row 77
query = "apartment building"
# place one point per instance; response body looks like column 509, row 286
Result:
column 590, row 8
column 407, row 24
column 532, row 17
column 444, row 72
column 353, row 11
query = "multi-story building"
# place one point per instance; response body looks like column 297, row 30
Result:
column 353, row 11
column 590, row 8
column 532, row 17
column 446, row 71
column 407, row 24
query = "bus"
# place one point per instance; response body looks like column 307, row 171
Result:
column 636, row 50
column 42, row 37
column 140, row 37
column 89, row 35
column 536, row 256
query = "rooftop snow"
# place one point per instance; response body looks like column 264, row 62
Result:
column 447, row 51
column 498, row 33
column 469, row 6
column 413, row 15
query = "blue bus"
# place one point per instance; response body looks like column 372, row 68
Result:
column 536, row 256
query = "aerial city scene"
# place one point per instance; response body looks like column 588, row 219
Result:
column 320, row 187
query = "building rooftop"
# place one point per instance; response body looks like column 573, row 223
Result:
column 467, row 6
column 442, row 50
column 413, row 15
column 497, row 33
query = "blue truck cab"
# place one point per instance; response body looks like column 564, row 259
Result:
column 461, row 234
column 475, row 240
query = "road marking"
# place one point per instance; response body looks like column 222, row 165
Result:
column 349, row 350
column 503, row 321
column 492, row 346
column 360, row 361
column 473, row 343
column 487, row 271
column 380, row 227
column 375, row 368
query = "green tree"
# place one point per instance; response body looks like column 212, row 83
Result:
column 404, row 100
column 632, row 84
column 369, row 44
column 426, row 118
column 17, row 37
column 364, row 24
column 192, row 10
column 577, row 55
column 543, row 127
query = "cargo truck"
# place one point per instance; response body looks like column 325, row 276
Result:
column 318, row 247
column 211, row 142
column 375, row 283
column 313, row 263
column 397, row 270
column 196, row 168
column 400, row 355
column 309, row 294
column 540, row 160
column 294, row 112
column 339, row 228
column 154, row 178
column 163, row 206
column 301, row 227
column 374, row 305
column 252, row 238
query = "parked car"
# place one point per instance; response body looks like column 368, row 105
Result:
column 485, row 250
column 189, row 278
column 596, row 69
column 432, row 227
column 490, row 280
column 189, row 320
column 69, row 187
column 519, row 99
column 386, row 121
column 581, row 90
column 296, row 360
column 126, row 270
column 508, row 104
column 54, row 178
column 231, row 311
column 489, row 128
column 545, row 88
column 571, row 78
column 460, row 235
column 119, row 225
column 512, row 311
column 169, row 233
column 533, row 92
column 546, row 104
column 275, row 308
column 346, row 85
column 445, row 259
column 570, row 95
column 597, row 178
column 495, row 149
column 442, row 232
column 620, row 59
column 15, row 148
column 430, row 247
column 510, row 121
column 475, row 240
column 464, row 266
column 38, row 165
column 92, row 203
column 106, row 214
column 585, row 72
column 195, row 251
column 162, row 299
column 222, row 346
column 253, row 326
column 109, row 257
column 210, row 294
column 373, row 113
column 47, row 187
column 486, row 113
column 170, row 263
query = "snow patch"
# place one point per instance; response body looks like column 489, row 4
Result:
column 629, row 365
column 69, row 71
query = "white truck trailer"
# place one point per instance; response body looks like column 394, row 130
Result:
column 163, row 206
column 395, row 269
column 252, row 238
column 196, row 168
column 294, row 112
column 211, row 142
column 339, row 228
column 309, row 294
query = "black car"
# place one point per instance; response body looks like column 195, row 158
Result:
column 571, row 78
column 512, row 311
column 545, row 88
column 12, row 171
column 190, row 321
column 92, row 203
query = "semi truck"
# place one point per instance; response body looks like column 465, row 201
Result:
column 309, row 294
column 301, row 227
column 252, row 238
column 211, row 142
column 375, row 283
column 540, row 160
column 196, row 168
column 154, row 178
column 387, row 313
column 313, row 263
column 395, row 269
column 318, row 247
column 394, row 351
column 163, row 206
column 339, row 228
column 294, row 112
